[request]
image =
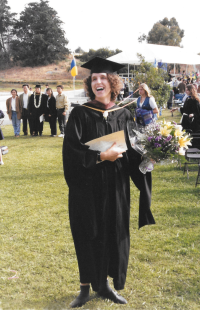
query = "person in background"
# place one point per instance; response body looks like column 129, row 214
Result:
column 24, row 102
column 62, row 106
column 14, row 111
column 191, row 109
column 1, row 136
column 47, row 86
column 170, row 101
column 50, row 112
column 146, row 101
column 36, row 109
column 181, row 87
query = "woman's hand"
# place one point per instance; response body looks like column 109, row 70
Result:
column 191, row 115
column 49, row 115
column 111, row 154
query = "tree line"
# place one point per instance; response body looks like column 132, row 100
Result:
column 35, row 38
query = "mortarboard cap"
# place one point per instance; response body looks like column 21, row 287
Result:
column 37, row 86
column 101, row 65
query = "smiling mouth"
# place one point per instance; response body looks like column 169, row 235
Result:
column 100, row 88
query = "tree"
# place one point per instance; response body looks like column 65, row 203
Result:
column 39, row 37
column 101, row 52
column 79, row 50
column 6, row 24
column 164, row 32
column 155, row 79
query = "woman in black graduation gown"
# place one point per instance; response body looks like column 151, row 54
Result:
column 191, row 109
column 99, row 188
column 50, row 112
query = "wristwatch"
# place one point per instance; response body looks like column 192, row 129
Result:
column 98, row 156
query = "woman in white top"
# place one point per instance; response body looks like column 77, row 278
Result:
column 146, row 101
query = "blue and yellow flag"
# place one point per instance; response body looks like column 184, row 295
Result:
column 74, row 70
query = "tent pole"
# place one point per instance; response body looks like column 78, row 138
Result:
column 128, row 76
column 174, row 68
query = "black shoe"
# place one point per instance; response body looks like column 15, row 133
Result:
column 40, row 134
column 82, row 298
column 25, row 134
column 108, row 293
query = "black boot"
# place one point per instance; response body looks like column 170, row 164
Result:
column 108, row 293
column 82, row 298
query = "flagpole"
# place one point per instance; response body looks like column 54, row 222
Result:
column 74, row 82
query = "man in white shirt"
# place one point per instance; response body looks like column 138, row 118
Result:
column 62, row 107
column 24, row 102
column 47, row 86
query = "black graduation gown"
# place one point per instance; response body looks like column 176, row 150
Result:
column 99, row 196
column 35, row 113
column 50, row 109
column 191, row 106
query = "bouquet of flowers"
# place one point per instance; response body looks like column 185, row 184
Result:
column 160, row 142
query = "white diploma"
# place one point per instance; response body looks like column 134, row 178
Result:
column 41, row 118
column 1, row 160
column 103, row 143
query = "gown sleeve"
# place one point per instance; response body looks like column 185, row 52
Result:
column 144, row 183
column 79, row 161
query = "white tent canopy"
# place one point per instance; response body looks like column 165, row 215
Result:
column 160, row 53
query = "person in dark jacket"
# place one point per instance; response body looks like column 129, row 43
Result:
column 99, row 185
column 50, row 112
column 191, row 110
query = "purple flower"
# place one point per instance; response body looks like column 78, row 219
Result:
column 157, row 145
column 169, row 138
column 149, row 138
column 158, row 138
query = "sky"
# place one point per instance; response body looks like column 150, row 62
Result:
column 118, row 24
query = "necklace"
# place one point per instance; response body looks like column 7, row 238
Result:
column 39, row 103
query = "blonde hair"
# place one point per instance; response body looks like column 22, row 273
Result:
column 146, row 89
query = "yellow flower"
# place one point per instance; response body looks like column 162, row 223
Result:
column 165, row 131
column 178, row 133
column 184, row 142
column 167, row 124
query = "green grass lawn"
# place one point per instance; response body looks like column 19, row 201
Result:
column 36, row 241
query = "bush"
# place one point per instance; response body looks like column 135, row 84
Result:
column 155, row 79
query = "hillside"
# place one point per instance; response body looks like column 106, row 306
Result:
column 56, row 72
column 53, row 72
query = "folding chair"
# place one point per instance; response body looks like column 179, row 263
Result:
column 192, row 154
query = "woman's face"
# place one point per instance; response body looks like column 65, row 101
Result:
column 14, row 94
column 188, row 92
column 49, row 93
column 142, row 92
column 101, row 87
